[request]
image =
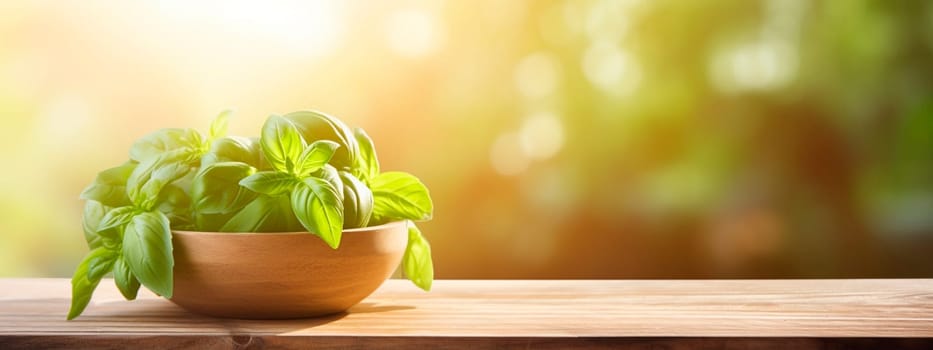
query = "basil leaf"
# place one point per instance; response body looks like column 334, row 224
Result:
column 111, row 225
column 147, row 249
column 398, row 195
column 357, row 201
column 163, row 176
column 124, row 279
column 219, row 125
column 281, row 144
column 93, row 214
column 234, row 149
column 330, row 174
column 319, row 209
column 270, row 183
column 100, row 264
column 368, row 162
column 210, row 222
column 315, row 156
column 175, row 203
column 147, row 180
column 264, row 214
column 315, row 125
column 417, row 263
column 109, row 187
column 216, row 189
column 82, row 286
column 165, row 140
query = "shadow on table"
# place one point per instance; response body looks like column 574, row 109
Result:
column 159, row 317
column 366, row 308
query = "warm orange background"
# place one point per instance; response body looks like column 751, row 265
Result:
column 560, row 139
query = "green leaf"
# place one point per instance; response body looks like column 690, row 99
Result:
column 319, row 209
column 147, row 180
column 315, row 156
column 234, row 149
column 368, row 162
column 124, row 279
column 101, row 264
column 270, row 183
column 216, row 188
column 147, row 249
column 357, row 201
column 219, row 124
column 315, row 126
column 175, row 203
column 109, row 187
column 417, row 263
column 82, row 287
column 162, row 177
column 165, row 140
column 398, row 195
column 281, row 144
column 264, row 214
column 114, row 221
column 94, row 213
column 329, row 174
column 210, row 222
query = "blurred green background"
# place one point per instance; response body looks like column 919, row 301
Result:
column 560, row 139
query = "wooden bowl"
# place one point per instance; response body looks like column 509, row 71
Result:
column 282, row 275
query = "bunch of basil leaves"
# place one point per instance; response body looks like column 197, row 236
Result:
column 307, row 171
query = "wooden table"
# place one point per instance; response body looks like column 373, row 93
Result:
column 639, row 314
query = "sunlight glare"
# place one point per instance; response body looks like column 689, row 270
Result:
column 413, row 33
column 506, row 155
column 538, row 75
column 541, row 136
column 611, row 69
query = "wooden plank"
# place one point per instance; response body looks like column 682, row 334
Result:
column 450, row 343
column 540, row 313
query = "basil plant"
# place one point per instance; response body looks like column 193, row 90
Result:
column 307, row 171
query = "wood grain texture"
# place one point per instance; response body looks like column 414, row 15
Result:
column 507, row 314
column 451, row 343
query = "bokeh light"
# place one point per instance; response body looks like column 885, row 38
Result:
column 560, row 139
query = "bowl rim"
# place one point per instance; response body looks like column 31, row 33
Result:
column 349, row 230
